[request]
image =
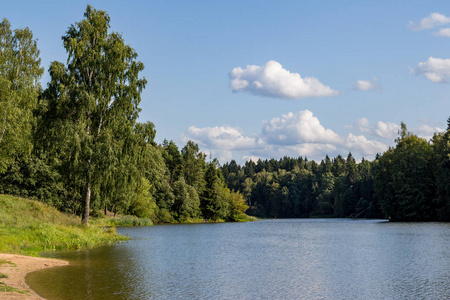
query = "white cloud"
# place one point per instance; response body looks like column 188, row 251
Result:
column 296, row 128
column 362, row 145
column 437, row 70
column 381, row 129
column 252, row 158
column 433, row 20
column 314, row 151
column 292, row 134
column 311, row 150
column 426, row 131
column 444, row 32
column 363, row 125
column 223, row 137
column 367, row 85
column 272, row 80
column 387, row 130
column 222, row 155
column 390, row 131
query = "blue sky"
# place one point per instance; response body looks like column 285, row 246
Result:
column 261, row 79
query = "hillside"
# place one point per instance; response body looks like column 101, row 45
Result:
column 29, row 227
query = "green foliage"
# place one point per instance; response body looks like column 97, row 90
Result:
column 10, row 263
column 408, row 182
column 297, row 187
column 193, row 166
column 143, row 205
column 29, row 227
column 121, row 221
column 35, row 179
column 238, row 208
column 20, row 72
column 404, row 182
column 441, row 163
column 187, row 202
column 7, row 288
column 92, row 106
column 89, row 155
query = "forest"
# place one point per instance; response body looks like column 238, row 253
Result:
column 77, row 145
column 409, row 182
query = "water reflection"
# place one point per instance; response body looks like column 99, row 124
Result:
column 279, row 259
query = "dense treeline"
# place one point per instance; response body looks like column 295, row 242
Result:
column 409, row 182
column 77, row 144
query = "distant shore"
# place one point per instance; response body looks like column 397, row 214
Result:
column 15, row 267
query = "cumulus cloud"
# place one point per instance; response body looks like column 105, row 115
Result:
column 292, row 134
column 436, row 70
column 433, row 20
column 444, row 32
column 387, row 130
column 362, row 125
column 315, row 151
column 296, row 128
column 222, row 155
column 391, row 131
column 272, row 80
column 367, row 85
column 223, row 138
column 312, row 150
column 301, row 134
column 364, row 146
column 381, row 129
column 252, row 158
column 426, row 131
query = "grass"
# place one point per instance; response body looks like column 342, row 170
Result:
column 7, row 288
column 3, row 286
column 28, row 227
column 125, row 221
column 11, row 264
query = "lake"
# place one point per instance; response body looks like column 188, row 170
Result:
column 268, row 259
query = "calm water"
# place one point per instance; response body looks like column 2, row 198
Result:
column 273, row 259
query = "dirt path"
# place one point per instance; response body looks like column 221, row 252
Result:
column 15, row 267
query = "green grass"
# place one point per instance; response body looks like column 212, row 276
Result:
column 3, row 275
column 125, row 221
column 29, row 227
column 7, row 288
column 11, row 264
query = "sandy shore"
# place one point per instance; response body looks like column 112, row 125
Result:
column 15, row 272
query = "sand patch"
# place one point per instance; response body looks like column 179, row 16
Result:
column 16, row 267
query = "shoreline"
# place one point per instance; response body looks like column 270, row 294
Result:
column 16, row 267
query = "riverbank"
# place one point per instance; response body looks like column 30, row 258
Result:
column 14, row 268
column 29, row 227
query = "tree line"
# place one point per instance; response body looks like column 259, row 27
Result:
column 77, row 144
column 409, row 182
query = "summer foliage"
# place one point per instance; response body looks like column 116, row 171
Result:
column 81, row 147
column 409, row 182
column 29, row 227
column 77, row 146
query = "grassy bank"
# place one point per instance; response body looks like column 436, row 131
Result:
column 29, row 227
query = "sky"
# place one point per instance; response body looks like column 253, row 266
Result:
column 267, row 79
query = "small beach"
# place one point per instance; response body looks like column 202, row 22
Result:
column 15, row 267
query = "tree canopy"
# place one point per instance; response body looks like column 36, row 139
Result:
column 93, row 101
column 20, row 72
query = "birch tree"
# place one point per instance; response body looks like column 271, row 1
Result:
column 20, row 72
column 92, row 102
